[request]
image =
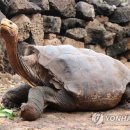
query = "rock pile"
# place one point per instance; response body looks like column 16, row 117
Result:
column 101, row 25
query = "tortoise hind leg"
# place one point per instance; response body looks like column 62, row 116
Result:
column 14, row 97
column 125, row 102
column 41, row 97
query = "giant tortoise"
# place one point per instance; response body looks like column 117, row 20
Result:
column 63, row 78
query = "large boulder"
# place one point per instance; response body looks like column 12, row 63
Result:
column 51, row 24
column 65, row 8
column 85, row 10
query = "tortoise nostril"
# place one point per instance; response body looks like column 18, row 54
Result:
column 10, row 23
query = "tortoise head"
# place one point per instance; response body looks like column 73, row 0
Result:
column 8, row 29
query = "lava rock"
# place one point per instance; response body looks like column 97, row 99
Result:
column 65, row 8
column 50, row 36
column 51, row 24
column 117, row 48
column 54, row 41
column 2, row 16
column 76, row 33
column 24, row 25
column 117, row 29
column 91, row 1
column 85, row 11
column 96, row 32
column 20, row 6
column 72, row 23
column 127, row 55
column 104, row 9
column 96, row 48
column 121, row 15
column 109, row 38
column 4, row 6
column 113, row 27
column 44, row 4
column 37, row 29
column 69, row 41
column 114, row 2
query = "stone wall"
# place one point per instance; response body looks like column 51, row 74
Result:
column 101, row 25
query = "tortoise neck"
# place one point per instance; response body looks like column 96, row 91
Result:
column 12, row 46
column 16, row 60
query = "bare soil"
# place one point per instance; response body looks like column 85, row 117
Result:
column 115, row 119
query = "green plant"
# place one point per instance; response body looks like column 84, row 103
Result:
column 6, row 113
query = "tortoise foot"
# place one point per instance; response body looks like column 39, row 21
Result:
column 28, row 112
column 8, row 100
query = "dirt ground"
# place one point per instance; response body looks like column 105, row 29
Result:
column 116, row 119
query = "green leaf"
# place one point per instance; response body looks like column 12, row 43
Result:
column 7, row 111
column 2, row 114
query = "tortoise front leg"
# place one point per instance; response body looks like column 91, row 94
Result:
column 16, row 96
column 34, row 107
column 41, row 97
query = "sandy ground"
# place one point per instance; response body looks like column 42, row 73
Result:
column 116, row 119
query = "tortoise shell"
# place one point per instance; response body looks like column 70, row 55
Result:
column 96, row 81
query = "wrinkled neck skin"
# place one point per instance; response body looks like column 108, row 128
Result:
column 16, row 60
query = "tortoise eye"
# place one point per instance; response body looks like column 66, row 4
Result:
column 10, row 23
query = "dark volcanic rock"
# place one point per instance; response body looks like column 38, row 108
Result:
column 113, row 2
column 117, row 48
column 121, row 15
column 104, row 9
column 44, row 4
column 76, row 33
column 20, row 6
column 65, row 8
column 96, row 31
column 117, row 29
column 85, row 10
column 2, row 16
column 109, row 38
column 4, row 6
column 51, row 24
column 72, row 23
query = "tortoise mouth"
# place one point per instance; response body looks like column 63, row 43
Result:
column 5, row 26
